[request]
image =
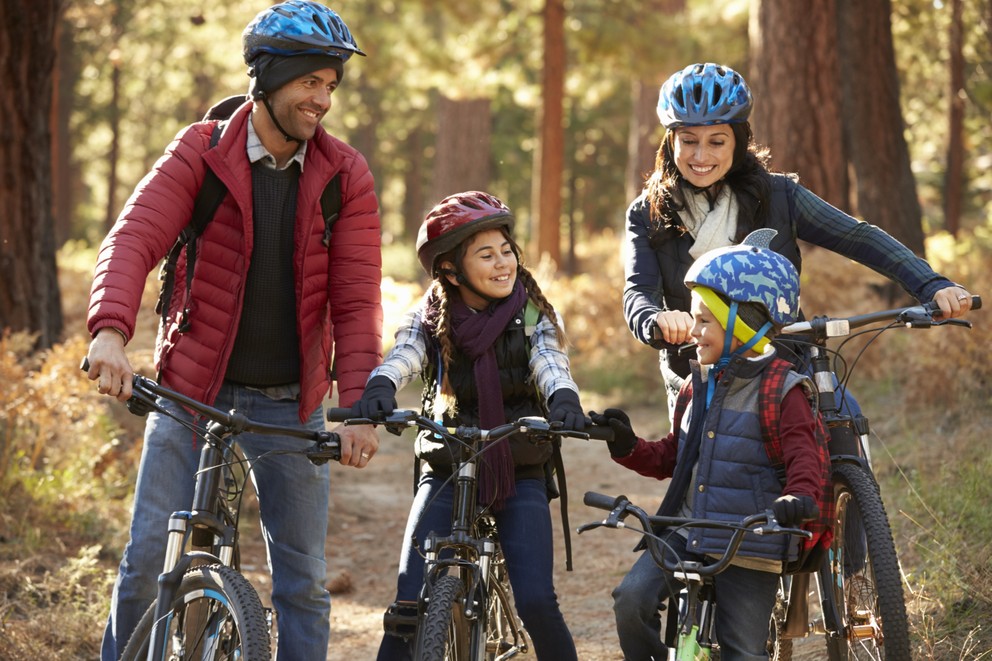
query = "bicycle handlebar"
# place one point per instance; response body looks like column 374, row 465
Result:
column 534, row 427
column 914, row 316
column 762, row 523
column 326, row 447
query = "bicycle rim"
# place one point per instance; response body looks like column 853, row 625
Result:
column 443, row 630
column 216, row 615
column 865, row 580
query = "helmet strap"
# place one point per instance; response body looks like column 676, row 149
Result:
column 268, row 107
column 726, row 356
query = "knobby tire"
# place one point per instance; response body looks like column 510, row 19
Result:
column 214, row 605
column 443, row 631
column 864, row 570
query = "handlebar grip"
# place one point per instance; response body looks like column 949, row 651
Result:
column 976, row 302
column 601, row 501
column 85, row 365
column 338, row 414
column 599, row 432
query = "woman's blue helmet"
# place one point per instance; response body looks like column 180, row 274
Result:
column 298, row 27
column 704, row 94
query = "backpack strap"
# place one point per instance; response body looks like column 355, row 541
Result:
column 208, row 198
column 330, row 206
column 770, row 412
column 531, row 315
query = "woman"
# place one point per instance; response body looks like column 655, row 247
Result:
column 710, row 188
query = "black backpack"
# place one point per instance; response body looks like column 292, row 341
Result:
column 209, row 197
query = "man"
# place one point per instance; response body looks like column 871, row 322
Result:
column 269, row 305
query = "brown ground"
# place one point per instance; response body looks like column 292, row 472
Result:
column 369, row 509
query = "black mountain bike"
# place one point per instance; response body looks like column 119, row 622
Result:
column 465, row 609
column 861, row 604
column 206, row 609
column 693, row 635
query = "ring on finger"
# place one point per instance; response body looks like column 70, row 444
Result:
column 365, row 456
column 963, row 297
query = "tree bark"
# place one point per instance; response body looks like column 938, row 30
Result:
column 461, row 161
column 641, row 144
column 550, row 155
column 795, row 79
column 954, row 176
column 874, row 127
column 29, row 289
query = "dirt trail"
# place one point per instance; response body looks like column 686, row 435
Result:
column 368, row 515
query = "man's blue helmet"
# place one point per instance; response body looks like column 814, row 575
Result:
column 750, row 274
column 702, row 94
column 298, row 27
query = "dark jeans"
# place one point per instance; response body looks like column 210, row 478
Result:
column 525, row 535
column 745, row 599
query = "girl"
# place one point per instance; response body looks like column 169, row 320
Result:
column 468, row 341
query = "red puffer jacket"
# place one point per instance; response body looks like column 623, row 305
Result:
column 337, row 290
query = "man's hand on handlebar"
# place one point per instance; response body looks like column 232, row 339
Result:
column 108, row 364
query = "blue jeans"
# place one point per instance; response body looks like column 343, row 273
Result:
column 525, row 534
column 293, row 500
column 745, row 599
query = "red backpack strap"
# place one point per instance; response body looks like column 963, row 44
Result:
column 770, row 412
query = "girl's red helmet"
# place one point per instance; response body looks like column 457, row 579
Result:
column 454, row 219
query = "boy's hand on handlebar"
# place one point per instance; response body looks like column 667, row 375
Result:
column 793, row 510
column 108, row 364
column 566, row 409
column 624, row 438
column 377, row 401
column 953, row 301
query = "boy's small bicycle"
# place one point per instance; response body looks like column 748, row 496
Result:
column 861, row 604
column 465, row 609
column 206, row 609
column 694, row 635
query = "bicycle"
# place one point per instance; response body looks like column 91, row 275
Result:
column 862, row 608
column 465, row 608
column 205, row 608
column 693, row 636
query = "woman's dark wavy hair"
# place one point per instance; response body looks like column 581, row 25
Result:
column 748, row 178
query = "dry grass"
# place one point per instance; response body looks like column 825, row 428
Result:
column 67, row 458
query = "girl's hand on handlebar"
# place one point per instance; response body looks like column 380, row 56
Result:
column 566, row 409
column 953, row 301
column 378, row 399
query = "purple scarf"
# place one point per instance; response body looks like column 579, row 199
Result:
column 475, row 335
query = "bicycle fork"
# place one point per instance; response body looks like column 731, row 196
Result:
column 695, row 638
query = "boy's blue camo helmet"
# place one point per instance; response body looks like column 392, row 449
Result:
column 750, row 274
column 298, row 27
column 704, row 93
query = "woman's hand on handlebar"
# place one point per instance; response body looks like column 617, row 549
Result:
column 673, row 326
column 108, row 364
column 953, row 301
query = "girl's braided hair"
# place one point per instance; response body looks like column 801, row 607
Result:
column 442, row 292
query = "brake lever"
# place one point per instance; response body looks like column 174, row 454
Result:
column 964, row 323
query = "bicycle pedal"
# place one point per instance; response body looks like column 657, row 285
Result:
column 400, row 619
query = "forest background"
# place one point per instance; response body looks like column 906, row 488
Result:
column 883, row 108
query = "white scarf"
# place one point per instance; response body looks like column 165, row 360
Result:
column 710, row 227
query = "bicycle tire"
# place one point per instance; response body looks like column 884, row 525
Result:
column 865, row 579
column 214, row 604
column 443, row 630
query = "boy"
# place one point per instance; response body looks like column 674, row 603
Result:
column 715, row 454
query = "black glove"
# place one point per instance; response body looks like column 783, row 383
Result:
column 793, row 510
column 379, row 399
column 624, row 438
column 566, row 409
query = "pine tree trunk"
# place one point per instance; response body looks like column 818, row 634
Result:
column 795, row 79
column 954, row 177
column 461, row 162
column 874, row 127
column 550, row 157
column 29, row 289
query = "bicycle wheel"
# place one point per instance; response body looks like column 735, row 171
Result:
column 864, row 577
column 504, row 636
column 215, row 615
column 779, row 647
column 443, row 630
